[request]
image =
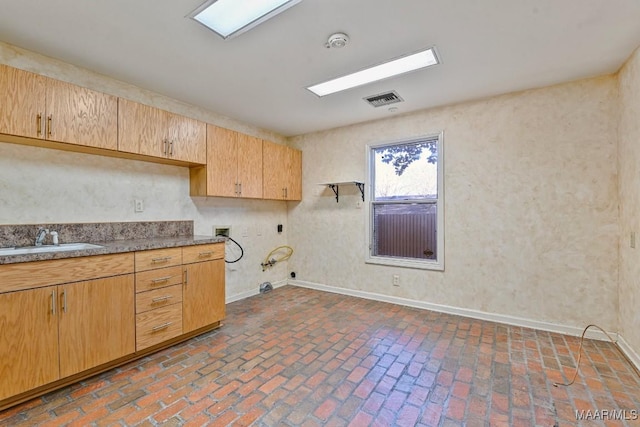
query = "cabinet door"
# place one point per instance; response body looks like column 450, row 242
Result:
column 22, row 104
column 250, row 166
column 142, row 129
column 203, row 296
column 222, row 162
column 274, row 173
column 294, row 178
column 28, row 340
column 187, row 139
column 97, row 322
column 81, row 116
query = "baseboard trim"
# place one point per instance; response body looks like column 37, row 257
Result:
column 628, row 351
column 465, row 312
column 253, row 292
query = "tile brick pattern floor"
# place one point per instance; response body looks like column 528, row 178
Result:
column 300, row 357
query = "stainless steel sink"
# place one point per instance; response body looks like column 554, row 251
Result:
column 48, row 248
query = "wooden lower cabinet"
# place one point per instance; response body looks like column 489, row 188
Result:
column 28, row 340
column 64, row 320
column 158, row 325
column 203, row 297
column 57, row 331
column 96, row 322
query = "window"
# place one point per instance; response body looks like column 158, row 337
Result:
column 406, row 223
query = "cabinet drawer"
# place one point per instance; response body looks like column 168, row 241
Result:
column 162, row 277
column 26, row 275
column 158, row 325
column 158, row 258
column 199, row 253
column 157, row 298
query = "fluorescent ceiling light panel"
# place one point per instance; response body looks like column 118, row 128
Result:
column 233, row 17
column 392, row 68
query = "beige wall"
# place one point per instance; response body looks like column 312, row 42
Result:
column 39, row 185
column 629, row 190
column 531, row 199
column 530, row 206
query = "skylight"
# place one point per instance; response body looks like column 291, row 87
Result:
column 229, row 18
column 388, row 69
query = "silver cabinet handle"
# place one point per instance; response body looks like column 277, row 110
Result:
column 161, row 327
column 186, row 277
column 39, row 126
column 240, row 185
column 171, row 148
column 161, row 280
column 164, row 147
column 161, row 299
column 161, row 259
column 53, row 302
column 64, row 301
column 286, row 192
column 205, row 254
column 49, row 126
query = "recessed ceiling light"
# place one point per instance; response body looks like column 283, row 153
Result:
column 229, row 18
column 388, row 69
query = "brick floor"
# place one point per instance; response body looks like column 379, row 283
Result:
column 298, row 357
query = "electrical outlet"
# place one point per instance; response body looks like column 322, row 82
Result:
column 139, row 205
column 396, row 280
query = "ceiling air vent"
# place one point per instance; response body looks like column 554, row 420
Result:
column 384, row 99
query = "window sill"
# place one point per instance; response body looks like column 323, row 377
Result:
column 406, row 263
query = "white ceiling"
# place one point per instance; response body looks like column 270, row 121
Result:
column 487, row 47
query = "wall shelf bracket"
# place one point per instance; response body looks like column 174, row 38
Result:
column 335, row 186
column 336, row 190
column 360, row 186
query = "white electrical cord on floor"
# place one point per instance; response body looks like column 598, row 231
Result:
column 575, row 375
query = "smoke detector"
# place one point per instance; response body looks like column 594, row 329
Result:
column 337, row 41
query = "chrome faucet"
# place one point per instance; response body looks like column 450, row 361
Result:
column 42, row 233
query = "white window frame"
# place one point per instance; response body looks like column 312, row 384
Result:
column 437, row 264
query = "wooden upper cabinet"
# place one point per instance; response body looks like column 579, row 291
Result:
column 282, row 177
column 234, row 166
column 250, row 166
column 153, row 132
column 275, row 170
column 187, row 139
column 22, row 104
column 76, row 115
column 35, row 106
column 294, row 178
column 222, row 162
column 141, row 129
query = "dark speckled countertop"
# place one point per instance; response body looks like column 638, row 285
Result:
column 115, row 247
column 136, row 237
